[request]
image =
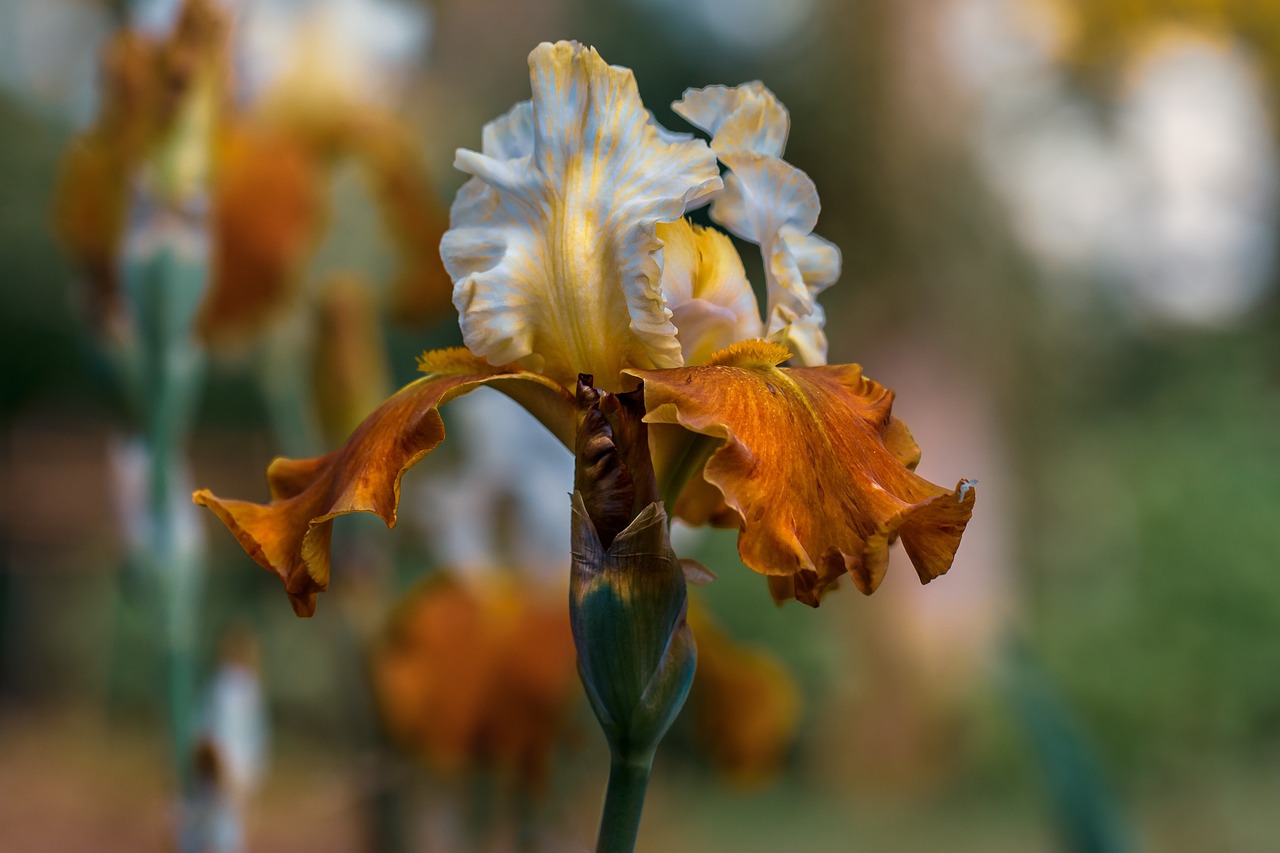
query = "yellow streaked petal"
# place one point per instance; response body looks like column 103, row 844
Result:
column 552, row 248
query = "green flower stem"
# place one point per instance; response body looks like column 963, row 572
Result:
column 627, row 600
column 283, row 373
column 167, row 288
column 623, row 803
column 692, row 459
column 182, row 690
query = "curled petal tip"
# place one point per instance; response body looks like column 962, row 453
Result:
column 304, row 605
column 771, row 203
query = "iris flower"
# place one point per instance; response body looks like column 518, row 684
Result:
column 570, row 255
column 268, row 184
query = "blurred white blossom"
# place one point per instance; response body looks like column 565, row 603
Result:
column 512, row 486
column 1167, row 195
column 353, row 48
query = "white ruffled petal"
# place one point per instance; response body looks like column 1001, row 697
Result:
column 771, row 203
column 510, row 136
column 669, row 136
column 552, row 247
column 762, row 196
column 799, row 266
column 747, row 118
column 804, row 336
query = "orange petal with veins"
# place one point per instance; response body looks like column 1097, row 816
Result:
column 814, row 466
column 290, row 536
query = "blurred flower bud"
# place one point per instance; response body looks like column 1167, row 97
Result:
column 627, row 602
column 139, row 177
column 191, row 69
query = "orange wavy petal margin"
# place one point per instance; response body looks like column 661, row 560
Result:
column 290, row 535
column 815, row 468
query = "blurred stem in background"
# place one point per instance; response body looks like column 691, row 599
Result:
column 283, row 371
column 1089, row 817
column 165, row 254
column 164, row 274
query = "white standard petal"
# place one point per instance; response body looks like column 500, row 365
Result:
column 551, row 247
column 745, row 118
column 771, row 203
column 510, row 135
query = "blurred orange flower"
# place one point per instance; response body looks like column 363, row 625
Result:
column 145, row 83
column 268, row 189
column 745, row 705
column 479, row 677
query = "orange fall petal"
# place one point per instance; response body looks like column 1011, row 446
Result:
column 290, row 536
column 815, row 468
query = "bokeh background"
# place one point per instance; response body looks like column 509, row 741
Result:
column 1059, row 223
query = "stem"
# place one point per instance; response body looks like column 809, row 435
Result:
column 676, row 476
column 282, row 375
column 165, row 272
column 623, row 803
column 181, row 667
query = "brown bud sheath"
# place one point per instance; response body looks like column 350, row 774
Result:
column 627, row 601
column 614, row 471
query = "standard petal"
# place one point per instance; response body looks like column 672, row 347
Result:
column 706, row 288
column 290, row 535
column 771, row 203
column 740, row 118
column 813, row 466
column 510, row 135
column 552, row 252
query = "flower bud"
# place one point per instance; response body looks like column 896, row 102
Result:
column 627, row 602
